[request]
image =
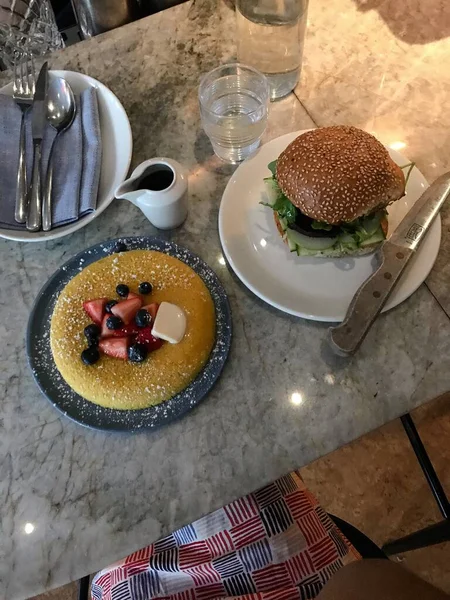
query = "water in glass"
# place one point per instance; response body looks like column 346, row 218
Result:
column 233, row 106
column 271, row 36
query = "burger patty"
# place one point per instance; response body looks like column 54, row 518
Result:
column 303, row 224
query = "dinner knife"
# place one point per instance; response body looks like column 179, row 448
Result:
column 393, row 255
column 38, row 120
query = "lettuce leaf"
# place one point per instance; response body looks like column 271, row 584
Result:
column 284, row 207
column 273, row 167
column 320, row 225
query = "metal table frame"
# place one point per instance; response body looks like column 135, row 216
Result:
column 433, row 534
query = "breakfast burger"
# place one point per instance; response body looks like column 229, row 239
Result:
column 329, row 191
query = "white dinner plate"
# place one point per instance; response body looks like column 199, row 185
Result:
column 313, row 288
column 117, row 145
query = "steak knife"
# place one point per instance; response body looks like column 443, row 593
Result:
column 39, row 115
column 393, row 256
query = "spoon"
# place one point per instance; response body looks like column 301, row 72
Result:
column 61, row 111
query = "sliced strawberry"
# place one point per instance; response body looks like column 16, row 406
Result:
column 152, row 309
column 115, row 347
column 150, row 341
column 126, row 330
column 133, row 295
column 105, row 332
column 95, row 309
column 127, row 309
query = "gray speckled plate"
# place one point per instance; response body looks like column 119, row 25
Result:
column 77, row 408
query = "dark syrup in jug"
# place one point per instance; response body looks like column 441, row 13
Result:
column 158, row 180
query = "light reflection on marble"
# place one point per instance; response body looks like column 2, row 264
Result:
column 29, row 528
column 93, row 497
column 296, row 398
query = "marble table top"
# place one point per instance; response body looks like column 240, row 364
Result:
column 73, row 500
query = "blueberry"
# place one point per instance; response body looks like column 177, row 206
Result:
column 145, row 287
column 109, row 305
column 114, row 322
column 91, row 333
column 90, row 355
column 120, row 247
column 122, row 290
column 142, row 318
column 137, row 353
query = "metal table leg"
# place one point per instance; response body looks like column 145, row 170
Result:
column 83, row 588
column 427, row 467
column 434, row 534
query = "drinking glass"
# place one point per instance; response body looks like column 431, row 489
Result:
column 233, row 107
column 27, row 25
column 271, row 35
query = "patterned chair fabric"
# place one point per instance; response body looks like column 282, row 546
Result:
column 274, row 544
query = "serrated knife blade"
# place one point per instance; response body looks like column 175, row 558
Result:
column 393, row 256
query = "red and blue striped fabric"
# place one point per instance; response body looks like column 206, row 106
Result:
column 275, row 544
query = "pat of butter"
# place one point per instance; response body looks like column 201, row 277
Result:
column 170, row 323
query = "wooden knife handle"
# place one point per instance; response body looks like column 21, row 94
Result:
column 369, row 300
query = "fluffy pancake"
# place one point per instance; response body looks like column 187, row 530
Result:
column 120, row 384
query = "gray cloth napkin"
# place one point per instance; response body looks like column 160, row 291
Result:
column 76, row 160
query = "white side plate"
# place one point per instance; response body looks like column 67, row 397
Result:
column 117, row 146
column 313, row 288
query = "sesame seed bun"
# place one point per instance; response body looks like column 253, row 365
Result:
column 337, row 174
column 331, row 252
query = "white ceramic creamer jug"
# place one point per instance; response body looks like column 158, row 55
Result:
column 159, row 187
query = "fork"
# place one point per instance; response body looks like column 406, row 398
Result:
column 23, row 92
